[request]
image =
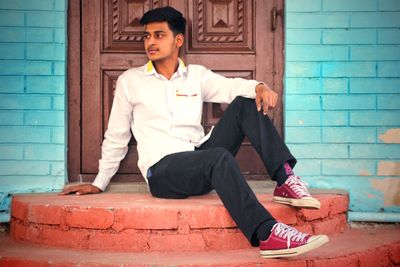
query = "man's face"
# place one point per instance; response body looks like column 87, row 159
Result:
column 160, row 42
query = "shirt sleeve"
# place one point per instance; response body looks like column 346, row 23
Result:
column 116, row 138
column 219, row 89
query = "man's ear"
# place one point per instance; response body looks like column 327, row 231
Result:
column 179, row 39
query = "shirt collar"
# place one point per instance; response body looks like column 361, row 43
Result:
column 150, row 69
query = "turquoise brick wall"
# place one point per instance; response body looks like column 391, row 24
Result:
column 32, row 97
column 342, row 97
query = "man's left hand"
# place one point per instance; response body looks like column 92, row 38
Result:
column 265, row 98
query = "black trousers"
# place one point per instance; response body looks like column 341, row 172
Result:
column 213, row 166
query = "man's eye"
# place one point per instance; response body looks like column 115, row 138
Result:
column 146, row 36
column 159, row 35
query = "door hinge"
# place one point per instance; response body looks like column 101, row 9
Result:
column 275, row 13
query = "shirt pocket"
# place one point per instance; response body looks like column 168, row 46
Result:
column 188, row 107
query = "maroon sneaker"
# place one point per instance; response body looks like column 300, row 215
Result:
column 286, row 241
column 294, row 192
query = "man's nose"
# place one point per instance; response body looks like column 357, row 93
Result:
column 151, row 40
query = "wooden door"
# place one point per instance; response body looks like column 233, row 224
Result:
column 231, row 37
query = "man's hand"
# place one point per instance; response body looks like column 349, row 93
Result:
column 265, row 98
column 80, row 189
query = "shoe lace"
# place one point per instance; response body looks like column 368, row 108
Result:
column 289, row 233
column 298, row 186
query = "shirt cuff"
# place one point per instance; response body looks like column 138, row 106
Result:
column 252, row 88
column 101, row 181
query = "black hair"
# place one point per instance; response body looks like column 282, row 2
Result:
column 174, row 18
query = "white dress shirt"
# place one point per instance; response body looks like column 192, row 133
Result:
column 163, row 115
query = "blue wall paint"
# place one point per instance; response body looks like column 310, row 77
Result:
column 32, row 97
column 342, row 95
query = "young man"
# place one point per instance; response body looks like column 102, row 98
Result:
column 161, row 102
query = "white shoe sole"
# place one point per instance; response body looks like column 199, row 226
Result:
column 307, row 202
column 317, row 242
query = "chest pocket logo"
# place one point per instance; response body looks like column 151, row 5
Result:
column 188, row 107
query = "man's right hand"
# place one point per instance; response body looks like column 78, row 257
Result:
column 80, row 189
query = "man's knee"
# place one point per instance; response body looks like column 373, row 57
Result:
column 242, row 102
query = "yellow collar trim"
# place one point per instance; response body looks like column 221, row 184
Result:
column 150, row 67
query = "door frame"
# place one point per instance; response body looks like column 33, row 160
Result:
column 74, row 83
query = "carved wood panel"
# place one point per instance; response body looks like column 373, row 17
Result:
column 122, row 30
column 221, row 25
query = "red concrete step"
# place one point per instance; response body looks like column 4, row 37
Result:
column 355, row 247
column 138, row 222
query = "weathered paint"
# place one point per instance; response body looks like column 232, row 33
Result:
column 391, row 136
column 390, row 188
column 389, row 168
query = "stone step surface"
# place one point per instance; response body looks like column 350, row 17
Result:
column 367, row 246
column 138, row 222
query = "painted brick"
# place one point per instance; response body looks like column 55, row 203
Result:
column 45, row 84
column 59, row 103
column 388, row 135
column 348, row 69
column 57, row 168
column 59, row 36
column 11, row 117
column 59, row 5
column 316, row 20
column 375, row 19
column 11, row 51
column 301, row 6
column 59, row 68
column 303, row 36
column 389, row 101
column 44, row 152
column 374, row 85
column 48, row 118
column 308, row 167
column 319, row 53
column 90, row 218
column 31, row 182
column 348, row 135
column 302, row 86
column 389, row 69
column 26, row 134
column 39, row 35
column 335, row 86
column 349, row 36
column 24, row 102
column 388, row 168
column 45, row 51
column 375, row 151
column 10, row 152
column 302, row 118
column 305, row 102
column 14, row 67
column 58, row 135
column 303, row 69
column 24, row 167
column 348, row 102
column 10, row 18
column 12, row 34
column 375, row 118
column 389, row 5
column 45, row 19
column 303, row 135
column 334, row 118
column 319, row 151
column 378, row 52
column 11, row 84
column 353, row 5
column 27, row 5
column 388, row 36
